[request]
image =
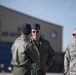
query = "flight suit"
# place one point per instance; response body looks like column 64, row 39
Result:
column 24, row 56
column 46, row 53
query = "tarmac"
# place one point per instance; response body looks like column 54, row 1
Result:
column 46, row 74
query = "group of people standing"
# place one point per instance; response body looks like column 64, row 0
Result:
column 31, row 53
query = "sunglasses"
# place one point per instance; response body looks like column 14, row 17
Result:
column 35, row 31
column 74, row 34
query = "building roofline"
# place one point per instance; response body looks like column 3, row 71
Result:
column 29, row 16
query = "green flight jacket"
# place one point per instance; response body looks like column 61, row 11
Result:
column 46, row 52
column 23, row 55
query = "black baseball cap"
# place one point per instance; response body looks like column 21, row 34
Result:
column 36, row 26
column 26, row 26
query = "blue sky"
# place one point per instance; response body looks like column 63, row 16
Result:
column 61, row 12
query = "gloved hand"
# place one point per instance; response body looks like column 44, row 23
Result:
column 45, row 67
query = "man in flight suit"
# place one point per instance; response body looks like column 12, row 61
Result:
column 44, row 49
column 24, row 57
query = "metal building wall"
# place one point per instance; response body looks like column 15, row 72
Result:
column 12, row 20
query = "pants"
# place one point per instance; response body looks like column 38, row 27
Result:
column 41, row 72
column 38, row 72
column 26, row 71
column 21, row 71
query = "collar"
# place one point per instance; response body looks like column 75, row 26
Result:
column 25, row 36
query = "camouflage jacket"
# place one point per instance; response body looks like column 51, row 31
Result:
column 70, row 60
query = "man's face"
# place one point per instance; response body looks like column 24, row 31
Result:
column 36, row 34
column 74, row 35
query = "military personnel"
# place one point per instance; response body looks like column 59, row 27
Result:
column 24, row 57
column 44, row 49
column 70, row 57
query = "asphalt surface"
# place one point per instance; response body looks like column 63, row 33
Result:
column 46, row 74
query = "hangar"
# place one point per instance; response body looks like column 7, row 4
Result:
column 10, row 22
